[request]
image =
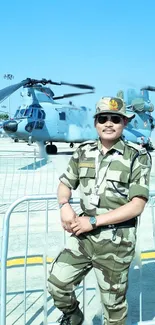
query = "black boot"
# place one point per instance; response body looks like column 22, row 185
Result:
column 76, row 318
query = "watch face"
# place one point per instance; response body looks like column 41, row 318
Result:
column 92, row 220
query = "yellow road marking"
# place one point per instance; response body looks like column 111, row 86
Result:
column 147, row 255
column 38, row 260
column 20, row 261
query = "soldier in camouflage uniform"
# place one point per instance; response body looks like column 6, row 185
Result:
column 113, row 176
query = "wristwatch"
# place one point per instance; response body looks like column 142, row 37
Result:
column 61, row 204
column 93, row 221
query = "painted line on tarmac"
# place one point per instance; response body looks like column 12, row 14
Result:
column 148, row 255
column 20, row 261
column 29, row 261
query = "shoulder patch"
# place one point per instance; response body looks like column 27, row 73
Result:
column 137, row 147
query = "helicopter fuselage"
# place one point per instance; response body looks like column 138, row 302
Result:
column 44, row 120
column 52, row 122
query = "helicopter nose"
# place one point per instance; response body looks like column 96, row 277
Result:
column 10, row 126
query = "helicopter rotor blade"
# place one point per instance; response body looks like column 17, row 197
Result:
column 81, row 86
column 7, row 91
column 45, row 81
column 72, row 95
column 150, row 88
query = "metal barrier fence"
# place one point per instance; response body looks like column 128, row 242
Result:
column 5, row 243
column 24, row 173
column 151, row 203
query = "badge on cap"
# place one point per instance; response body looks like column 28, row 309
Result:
column 113, row 105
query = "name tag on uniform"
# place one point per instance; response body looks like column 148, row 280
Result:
column 87, row 164
column 94, row 199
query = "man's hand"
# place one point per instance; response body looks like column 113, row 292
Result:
column 68, row 217
column 81, row 224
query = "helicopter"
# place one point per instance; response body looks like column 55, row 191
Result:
column 43, row 119
column 139, row 129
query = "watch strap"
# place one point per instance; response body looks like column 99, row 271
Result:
column 61, row 204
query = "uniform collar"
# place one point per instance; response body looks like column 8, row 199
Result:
column 118, row 146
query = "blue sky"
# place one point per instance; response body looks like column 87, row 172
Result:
column 107, row 44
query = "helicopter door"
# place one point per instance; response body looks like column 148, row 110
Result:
column 62, row 124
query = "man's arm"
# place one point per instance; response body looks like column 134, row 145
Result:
column 67, row 214
column 68, row 181
column 126, row 212
column 64, row 193
column 138, row 196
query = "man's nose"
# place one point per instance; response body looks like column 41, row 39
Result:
column 109, row 122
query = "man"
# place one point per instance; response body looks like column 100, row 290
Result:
column 113, row 176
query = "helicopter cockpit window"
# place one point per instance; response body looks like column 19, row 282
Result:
column 41, row 114
column 19, row 113
column 28, row 112
column 62, row 116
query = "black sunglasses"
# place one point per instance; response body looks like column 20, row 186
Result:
column 116, row 119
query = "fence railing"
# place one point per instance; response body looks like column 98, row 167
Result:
column 24, row 173
column 5, row 243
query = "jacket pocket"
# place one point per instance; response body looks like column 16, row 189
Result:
column 87, row 172
column 118, row 183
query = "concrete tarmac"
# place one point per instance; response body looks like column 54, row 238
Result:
column 23, row 173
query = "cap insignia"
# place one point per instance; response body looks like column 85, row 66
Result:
column 113, row 105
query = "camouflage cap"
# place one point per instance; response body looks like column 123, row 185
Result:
column 112, row 105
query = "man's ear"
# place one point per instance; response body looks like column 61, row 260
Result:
column 125, row 121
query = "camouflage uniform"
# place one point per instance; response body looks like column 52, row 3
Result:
column 109, row 253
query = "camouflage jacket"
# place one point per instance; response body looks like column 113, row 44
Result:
column 118, row 184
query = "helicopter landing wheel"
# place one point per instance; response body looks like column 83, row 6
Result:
column 71, row 145
column 51, row 149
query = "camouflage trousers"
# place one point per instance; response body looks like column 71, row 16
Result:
column 109, row 258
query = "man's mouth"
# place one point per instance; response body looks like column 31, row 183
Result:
column 109, row 131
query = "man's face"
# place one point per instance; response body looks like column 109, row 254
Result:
column 110, row 126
